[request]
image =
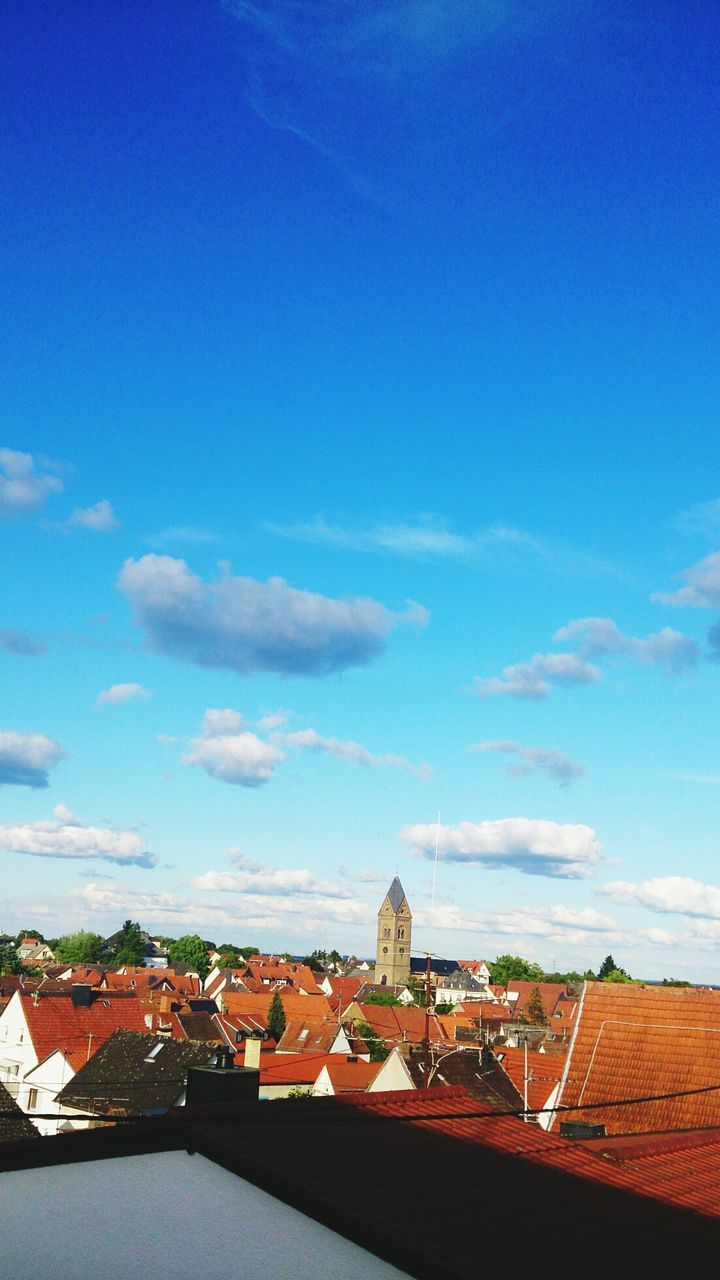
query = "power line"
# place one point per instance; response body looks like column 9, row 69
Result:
column 453, row 1115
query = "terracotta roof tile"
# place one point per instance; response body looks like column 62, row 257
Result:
column 632, row 1040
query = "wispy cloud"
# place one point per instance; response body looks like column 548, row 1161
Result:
column 100, row 518
column 702, row 517
column 537, row 847
column 702, row 585
column 245, row 626
column 533, row 760
column 590, row 638
column 229, row 749
column 25, row 484
column 190, row 535
column 429, row 538
column 67, row 836
column 26, row 758
column 118, row 694
column 673, row 895
column 535, row 678
column 20, row 643
column 310, row 740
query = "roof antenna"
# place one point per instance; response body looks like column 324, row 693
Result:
column 437, row 850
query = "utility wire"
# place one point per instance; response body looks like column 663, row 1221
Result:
column 448, row 1115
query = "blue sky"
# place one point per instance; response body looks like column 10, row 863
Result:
column 359, row 463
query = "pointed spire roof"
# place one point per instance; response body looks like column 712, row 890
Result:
column 396, row 894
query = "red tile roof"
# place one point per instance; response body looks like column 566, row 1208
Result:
column 350, row 1076
column 550, row 993
column 258, row 1003
column 633, row 1040
column 571, row 1198
column 303, row 1036
column 397, row 1023
column 55, row 1022
column 292, row 1068
column 544, row 1071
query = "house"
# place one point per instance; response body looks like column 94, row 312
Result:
column 33, row 953
column 14, row 1124
column 256, row 1004
column 479, row 969
column 635, row 1040
column 276, row 1179
column 133, row 1072
column 303, row 1036
column 397, row 1024
column 475, row 1070
column 345, row 1074
column 46, row 1037
column 519, row 994
column 460, row 986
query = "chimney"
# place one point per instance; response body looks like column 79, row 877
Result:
column 252, row 1052
column 220, row 1083
column 81, row 995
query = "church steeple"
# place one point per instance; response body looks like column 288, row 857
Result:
column 392, row 957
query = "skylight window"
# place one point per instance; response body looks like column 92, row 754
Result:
column 154, row 1052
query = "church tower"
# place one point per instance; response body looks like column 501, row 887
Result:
column 392, row 958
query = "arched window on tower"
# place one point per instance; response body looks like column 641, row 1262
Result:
column 401, row 933
column 386, row 933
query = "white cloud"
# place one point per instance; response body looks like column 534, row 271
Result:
column 595, row 637
column 119, row 693
column 702, row 587
column 245, row 625
column 532, row 845
column 302, row 913
column 560, row 924
column 227, row 751
column 25, row 758
column 535, row 678
column 69, row 837
column 590, row 638
column 101, row 518
column 675, row 895
column 251, row 877
column 310, row 740
column 24, row 486
column 535, row 760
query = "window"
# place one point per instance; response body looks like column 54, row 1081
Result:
column 402, row 951
column 386, row 933
column 401, row 933
column 385, row 951
column 32, row 1100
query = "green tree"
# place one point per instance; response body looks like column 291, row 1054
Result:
column 9, row 962
column 128, row 946
column 82, row 947
column 380, row 997
column 536, row 1009
column 276, row 1016
column 190, row 950
column 230, row 958
column 507, row 967
column 606, row 967
column 442, row 1008
column 617, row 975
column 299, row 1091
column 676, row 982
column 376, row 1046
